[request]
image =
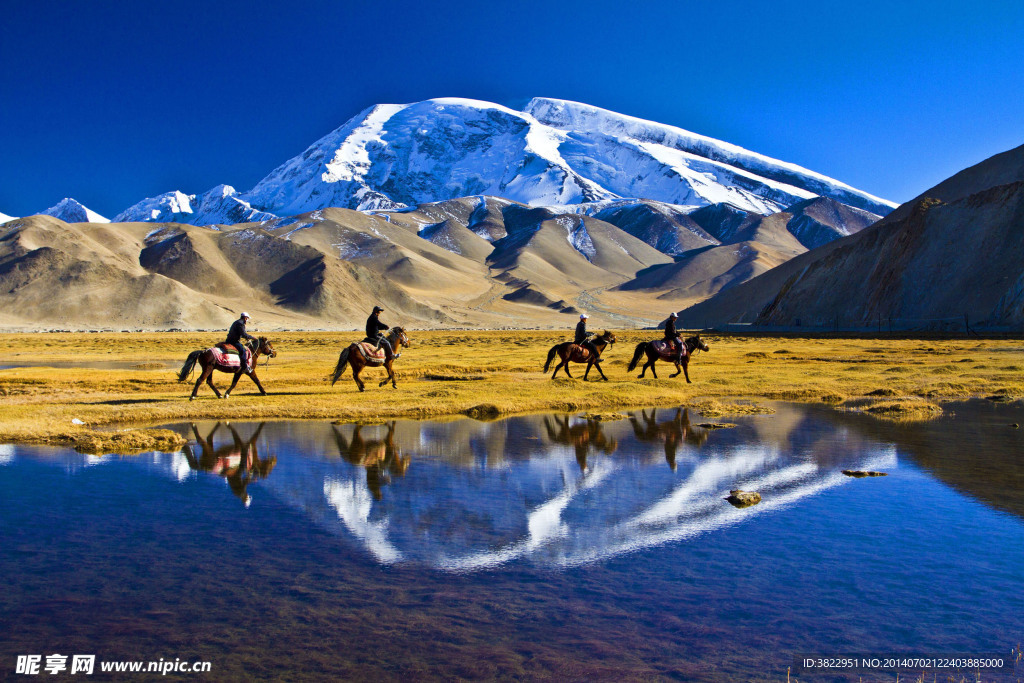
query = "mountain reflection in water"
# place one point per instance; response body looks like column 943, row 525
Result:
column 557, row 490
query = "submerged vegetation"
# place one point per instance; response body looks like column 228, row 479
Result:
column 108, row 381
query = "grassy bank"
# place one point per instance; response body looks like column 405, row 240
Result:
column 484, row 374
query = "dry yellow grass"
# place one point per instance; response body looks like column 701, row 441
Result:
column 484, row 374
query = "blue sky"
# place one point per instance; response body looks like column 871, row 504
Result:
column 111, row 102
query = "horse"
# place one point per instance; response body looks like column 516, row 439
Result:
column 582, row 436
column 571, row 352
column 239, row 462
column 380, row 457
column 659, row 349
column 358, row 355
column 672, row 433
column 214, row 359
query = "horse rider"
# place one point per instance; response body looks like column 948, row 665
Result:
column 583, row 338
column 375, row 333
column 235, row 336
column 672, row 337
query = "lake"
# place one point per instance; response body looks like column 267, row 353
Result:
column 533, row 547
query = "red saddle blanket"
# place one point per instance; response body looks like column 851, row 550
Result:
column 227, row 355
column 372, row 356
column 666, row 350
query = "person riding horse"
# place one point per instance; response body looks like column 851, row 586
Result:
column 583, row 338
column 673, row 338
column 235, row 336
column 375, row 333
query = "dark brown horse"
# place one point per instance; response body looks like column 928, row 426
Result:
column 570, row 352
column 672, row 433
column 358, row 356
column 238, row 462
column 213, row 359
column 658, row 350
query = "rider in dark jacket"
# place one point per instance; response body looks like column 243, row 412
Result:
column 375, row 333
column 672, row 337
column 583, row 337
column 235, row 336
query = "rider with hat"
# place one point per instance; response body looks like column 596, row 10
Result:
column 672, row 337
column 583, row 338
column 235, row 336
column 375, row 333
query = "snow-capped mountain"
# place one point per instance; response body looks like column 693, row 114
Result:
column 555, row 153
column 221, row 205
column 72, row 211
column 4, row 217
column 637, row 158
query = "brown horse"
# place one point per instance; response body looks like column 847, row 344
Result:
column 355, row 356
column 656, row 350
column 570, row 352
column 582, row 436
column 208, row 361
column 381, row 457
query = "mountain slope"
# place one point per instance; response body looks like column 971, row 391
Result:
column 930, row 260
column 715, row 171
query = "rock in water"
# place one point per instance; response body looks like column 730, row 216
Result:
column 864, row 473
column 743, row 499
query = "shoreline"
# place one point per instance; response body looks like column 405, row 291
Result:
column 482, row 374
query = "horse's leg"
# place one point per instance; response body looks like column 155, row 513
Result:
column 557, row 367
column 589, row 365
column 356, row 369
column 254, row 378
column 199, row 380
column 598, row 366
column 653, row 371
column 389, row 376
column 686, row 361
column 209, row 380
column 566, row 364
column 643, row 369
column 678, row 370
column 234, row 381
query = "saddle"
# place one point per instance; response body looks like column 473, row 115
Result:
column 578, row 354
column 373, row 356
column 666, row 349
column 226, row 354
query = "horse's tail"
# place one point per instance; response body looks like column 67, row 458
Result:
column 190, row 363
column 339, row 369
column 551, row 357
column 636, row 356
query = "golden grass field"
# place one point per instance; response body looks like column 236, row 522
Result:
column 482, row 374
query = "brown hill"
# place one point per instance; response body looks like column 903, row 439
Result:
column 926, row 264
column 474, row 261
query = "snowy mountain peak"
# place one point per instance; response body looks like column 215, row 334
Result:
column 220, row 205
column 72, row 211
column 4, row 217
column 556, row 153
column 170, row 207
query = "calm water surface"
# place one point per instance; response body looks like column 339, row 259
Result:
column 538, row 547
